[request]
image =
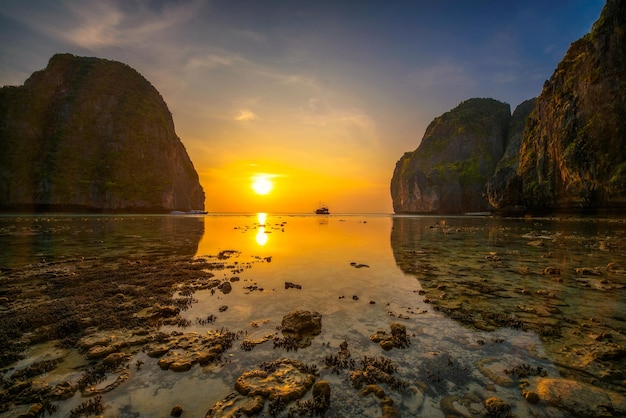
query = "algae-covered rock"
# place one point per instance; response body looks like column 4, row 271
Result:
column 285, row 380
column 235, row 404
column 302, row 326
column 580, row 399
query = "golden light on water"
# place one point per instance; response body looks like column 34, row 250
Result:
column 261, row 235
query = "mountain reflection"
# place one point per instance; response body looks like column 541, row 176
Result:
column 28, row 239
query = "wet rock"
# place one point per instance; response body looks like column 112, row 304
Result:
column 286, row 379
column 165, row 311
column 158, row 351
column 177, row 411
column 95, row 390
column 235, row 404
column 34, row 411
column 290, row 285
column 62, row 391
column 180, row 351
column 182, row 365
column 531, row 397
column 115, row 359
column 580, row 399
column 248, row 345
column 225, row 287
column 92, row 340
column 375, row 389
column 390, row 411
column 302, row 326
column 497, row 407
column 358, row 265
column 552, row 271
column 321, row 397
column 99, row 351
column 588, row 271
column 397, row 339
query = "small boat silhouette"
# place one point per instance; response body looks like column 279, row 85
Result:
column 322, row 210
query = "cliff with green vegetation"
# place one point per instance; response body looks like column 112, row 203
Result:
column 565, row 151
column 573, row 153
column 88, row 134
column 459, row 152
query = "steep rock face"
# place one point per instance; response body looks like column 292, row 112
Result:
column 504, row 188
column 459, row 152
column 573, row 153
column 92, row 134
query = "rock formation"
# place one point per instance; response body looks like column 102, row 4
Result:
column 565, row 151
column 88, row 134
column 573, row 153
column 447, row 173
column 503, row 190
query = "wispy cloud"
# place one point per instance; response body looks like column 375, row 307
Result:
column 245, row 116
column 214, row 60
column 105, row 23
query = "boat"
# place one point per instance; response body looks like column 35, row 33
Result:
column 322, row 210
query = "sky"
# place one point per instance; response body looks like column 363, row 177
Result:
column 318, row 99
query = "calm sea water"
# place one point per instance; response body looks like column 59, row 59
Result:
column 362, row 273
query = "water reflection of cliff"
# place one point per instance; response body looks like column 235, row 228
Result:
column 544, row 276
column 28, row 239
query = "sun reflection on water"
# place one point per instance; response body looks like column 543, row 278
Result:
column 262, row 235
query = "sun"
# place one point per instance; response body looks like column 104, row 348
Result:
column 262, row 185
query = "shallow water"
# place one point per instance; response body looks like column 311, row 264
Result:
column 444, row 278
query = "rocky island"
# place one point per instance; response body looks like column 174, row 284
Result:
column 564, row 151
column 90, row 134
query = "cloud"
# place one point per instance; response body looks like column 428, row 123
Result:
column 211, row 61
column 95, row 25
column 245, row 116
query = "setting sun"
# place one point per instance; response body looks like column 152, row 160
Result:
column 262, row 185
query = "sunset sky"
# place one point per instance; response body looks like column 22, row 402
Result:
column 318, row 98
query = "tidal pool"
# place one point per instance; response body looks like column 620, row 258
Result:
column 521, row 317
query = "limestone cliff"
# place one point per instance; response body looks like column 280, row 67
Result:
column 447, row 173
column 88, row 134
column 504, row 188
column 573, row 152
